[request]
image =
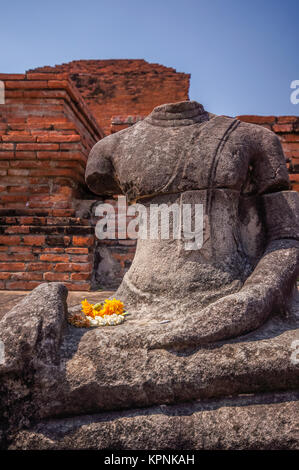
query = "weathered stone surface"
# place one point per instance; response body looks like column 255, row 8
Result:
column 261, row 422
column 9, row 299
column 31, row 333
column 32, row 329
column 116, row 367
column 248, row 264
column 112, row 368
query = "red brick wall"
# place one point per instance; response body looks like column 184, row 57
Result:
column 114, row 88
column 46, row 133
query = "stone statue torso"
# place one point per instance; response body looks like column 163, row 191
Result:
column 182, row 154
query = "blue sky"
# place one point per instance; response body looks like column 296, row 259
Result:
column 242, row 54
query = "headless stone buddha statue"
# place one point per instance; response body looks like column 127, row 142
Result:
column 215, row 326
column 247, row 267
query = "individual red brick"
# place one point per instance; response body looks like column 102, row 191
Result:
column 18, row 172
column 63, row 213
column 58, row 240
column 282, row 127
column 41, row 190
column 286, row 119
column 13, row 94
column 21, row 285
column 58, row 221
column 20, row 249
column 291, row 145
column 53, row 250
column 47, row 76
column 25, row 84
column 12, row 76
column 71, row 146
column 13, row 198
column 6, row 155
column 6, row 147
column 65, row 125
column 16, row 257
column 39, row 266
column 86, row 240
column 10, row 220
column 70, row 267
column 18, row 189
column 18, row 137
column 290, row 138
column 257, row 119
column 74, row 164
column 41, row 94
column 12, row 266
column 54, row 257
column 82, row 267
column 34, row 239
column 59, row 138
column 24, row 164
column 17, row 229
column 80, row 276
column 63, row 267
column 27, row 276
column 44, row 122
column 56, row 276
column 76, row 156
column 54, row 172
column 9, row 240
column 81, row 258
column 4, row 275
column 58, row 83
column 77, row 250
column 47, row 155
column 35, row 146
column 27, row 220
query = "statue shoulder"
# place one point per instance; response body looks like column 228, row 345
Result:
column 257, row 134
column 99, row 173
column 267, row 159
column 105, row 146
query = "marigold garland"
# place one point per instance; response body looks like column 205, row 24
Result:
column 107, row 314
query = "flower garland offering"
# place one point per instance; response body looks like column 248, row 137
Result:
column 108, row 314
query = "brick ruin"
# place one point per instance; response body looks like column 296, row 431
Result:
column 119, row 92
column 51, row 118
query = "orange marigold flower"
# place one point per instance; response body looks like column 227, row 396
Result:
column 87, row 308
column 111, row 307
